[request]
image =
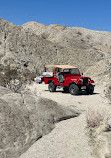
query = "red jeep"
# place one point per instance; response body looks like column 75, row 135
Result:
column 68, row 77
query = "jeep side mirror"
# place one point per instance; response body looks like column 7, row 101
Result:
column 82, row 74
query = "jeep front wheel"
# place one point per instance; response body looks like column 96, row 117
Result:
column 74, row 89
column 90, row 89
column 51, row 87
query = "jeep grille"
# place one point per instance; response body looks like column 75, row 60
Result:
column 85, row 81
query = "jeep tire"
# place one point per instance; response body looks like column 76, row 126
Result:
column 90, row 89
column 51, row 87
column 74, row 89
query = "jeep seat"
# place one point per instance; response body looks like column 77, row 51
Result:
column 60, row 78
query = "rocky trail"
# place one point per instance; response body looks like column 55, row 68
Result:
column 69, row 139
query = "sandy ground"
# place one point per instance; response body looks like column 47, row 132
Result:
column 69, row 139
column 81, row 102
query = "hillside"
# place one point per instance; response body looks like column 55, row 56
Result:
column 72, row 37
column 23, row 46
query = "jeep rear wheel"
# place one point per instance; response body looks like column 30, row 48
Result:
column 74, row 89
column 51, row 87
column 90, row 89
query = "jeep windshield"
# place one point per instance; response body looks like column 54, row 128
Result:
column 72, row 71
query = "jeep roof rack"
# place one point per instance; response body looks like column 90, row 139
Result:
column 61, row 66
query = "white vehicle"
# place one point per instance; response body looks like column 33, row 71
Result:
column 38, row 79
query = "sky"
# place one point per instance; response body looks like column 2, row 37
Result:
column 90, row 14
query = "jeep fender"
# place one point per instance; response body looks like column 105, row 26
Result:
column 91, row 81
column 73, row 83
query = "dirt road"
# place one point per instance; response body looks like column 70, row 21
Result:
column 69, row 139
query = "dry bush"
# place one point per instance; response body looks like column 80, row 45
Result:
column 28, row 76
column 96, row 118
column 79, row 33
column 10, row 78
column 14, row 79
column 88, row 36
column 7, row 75
column 108, row 92
column 45, row 35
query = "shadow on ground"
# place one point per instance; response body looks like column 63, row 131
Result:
column 80, row 93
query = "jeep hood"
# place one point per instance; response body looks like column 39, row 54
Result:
column 76, row 78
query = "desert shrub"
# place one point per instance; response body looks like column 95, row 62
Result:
column 28, row 76
column 96, row 118
column 7, row 75
column 44, row 35
column 10, row 73
column 79, row 33
column 10, row 78
column 108, row 92
column 65, row 26
column 15, row 79
column 82, row 40
column 89, row 36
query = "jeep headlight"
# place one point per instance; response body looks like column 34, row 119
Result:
column 89, row 80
